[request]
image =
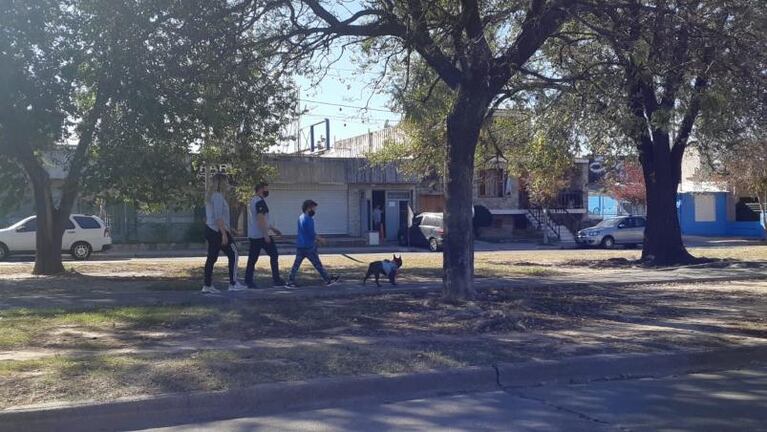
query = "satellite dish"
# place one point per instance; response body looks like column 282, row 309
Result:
column 596, row 167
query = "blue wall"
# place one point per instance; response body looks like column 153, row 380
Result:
column 721, row 227
column 602, row 206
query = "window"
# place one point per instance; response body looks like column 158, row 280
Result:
column 640, row 222
column 86, row 222
column 705, row 208
column 491, row 183
column 70, row 225
column 30, row 226
column 627, row 223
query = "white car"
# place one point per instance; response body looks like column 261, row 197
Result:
column 83, row 235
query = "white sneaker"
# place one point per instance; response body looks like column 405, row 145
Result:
column 237, row 286
column 210, row 290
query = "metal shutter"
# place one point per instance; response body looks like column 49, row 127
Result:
column 332, row 212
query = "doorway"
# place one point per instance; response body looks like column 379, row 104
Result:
column 398, row 209
column 379, row 201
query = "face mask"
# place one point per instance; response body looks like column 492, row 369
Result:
column 311, row 213
column 265, row 193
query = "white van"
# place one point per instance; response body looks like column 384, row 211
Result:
column 83, row 235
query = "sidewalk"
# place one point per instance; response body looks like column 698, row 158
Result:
column 606, row 395
column 728, row 400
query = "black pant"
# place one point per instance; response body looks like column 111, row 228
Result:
column 255, row 251
column 214, row 239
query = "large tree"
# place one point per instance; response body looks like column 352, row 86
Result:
column 127, row 89
column 476, row 49
column 661, row 68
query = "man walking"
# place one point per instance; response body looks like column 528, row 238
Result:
column 258, row 234
column 306, row 246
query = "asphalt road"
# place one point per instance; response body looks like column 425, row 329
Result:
column 714, row 401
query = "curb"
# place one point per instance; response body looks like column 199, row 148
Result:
column 613, row 367
column 175, row 409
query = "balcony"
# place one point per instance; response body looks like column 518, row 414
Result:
column 569, row 199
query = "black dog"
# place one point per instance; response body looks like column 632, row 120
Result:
column 385, row 267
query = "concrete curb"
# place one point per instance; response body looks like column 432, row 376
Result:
column 273, row 398
column 261, row 399
column 611, row 367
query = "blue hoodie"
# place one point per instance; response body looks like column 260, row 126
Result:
column 306, row 234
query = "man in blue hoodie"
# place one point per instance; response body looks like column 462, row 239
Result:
column 306, row 245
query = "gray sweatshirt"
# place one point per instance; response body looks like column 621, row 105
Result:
column 216, row 208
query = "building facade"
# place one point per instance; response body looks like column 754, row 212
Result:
column 707, row 208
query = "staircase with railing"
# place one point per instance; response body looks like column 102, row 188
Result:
column 540, row 218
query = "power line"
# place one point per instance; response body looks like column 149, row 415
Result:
column 350, row 106
column 350, row 118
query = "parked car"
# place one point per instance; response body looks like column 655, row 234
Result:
column 428, row 228
column 83, row 235
column 624, row 230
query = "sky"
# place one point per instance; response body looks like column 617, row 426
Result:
column 341, row 97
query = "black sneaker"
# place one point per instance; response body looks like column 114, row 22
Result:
column 333, row 280
column 252, row 285
column 290, row 285
column 279, row 284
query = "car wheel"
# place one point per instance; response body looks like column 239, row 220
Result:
column 81, row 251
column 433, row 245
column 3, row 252
column 608, row 242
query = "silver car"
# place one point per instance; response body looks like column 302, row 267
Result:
column 624, row 230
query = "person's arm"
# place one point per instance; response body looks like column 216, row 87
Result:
column 308, row 225
column 261, row 210
column 317, row 238
column 218, row 203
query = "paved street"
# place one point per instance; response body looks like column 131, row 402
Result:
column 714, row 401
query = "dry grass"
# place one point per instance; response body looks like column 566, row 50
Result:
column 388, row 333
column 417, row 267
column 106, row 377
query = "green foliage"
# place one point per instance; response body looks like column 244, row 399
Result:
column 13, row 185
column 155, row 80
column 663, row 47
column 537, row 145
column 545, row 167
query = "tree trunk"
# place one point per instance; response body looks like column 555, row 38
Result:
column 463, row 125
column 663, row 244
column 50, row 227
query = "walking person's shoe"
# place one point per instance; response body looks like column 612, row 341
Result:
column 280, row 283
column 290, row 284
column 237, row 286
column 210, row 290
column 332, row 281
